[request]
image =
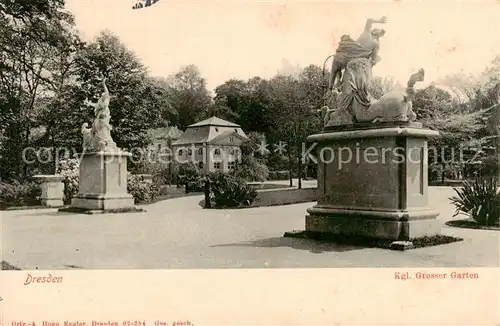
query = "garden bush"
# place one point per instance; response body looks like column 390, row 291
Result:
column 230, row 191
column 479, row 200
column 279, row 175
column 69, row 169
column 143, row 192
column 15, row 193
column 190, row 176
column 251, row 169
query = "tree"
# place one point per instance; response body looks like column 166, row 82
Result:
column 32, row 34
column 138, row 102
column 245, row 102
column 460, row 127
column 381, row 86
column 188, row 96
column 295, row 104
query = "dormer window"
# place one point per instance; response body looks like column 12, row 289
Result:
column 216, row 129
column 231, row 139
column 235, row 130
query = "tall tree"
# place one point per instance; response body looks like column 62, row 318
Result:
column 189, row 95
column 138, row 102
column 295, row 105
column 32, row 33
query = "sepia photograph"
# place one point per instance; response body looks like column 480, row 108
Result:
column 186, row 146
column 157, row 135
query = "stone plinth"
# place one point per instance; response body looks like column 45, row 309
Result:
column 103, row 183
column 373, row 183
column 52, row 189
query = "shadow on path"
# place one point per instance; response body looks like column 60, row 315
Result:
column 313, row 246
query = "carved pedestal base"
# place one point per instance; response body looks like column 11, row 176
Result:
column 103, row 183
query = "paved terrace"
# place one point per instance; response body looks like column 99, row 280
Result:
column 179, row 234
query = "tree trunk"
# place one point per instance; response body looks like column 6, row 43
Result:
column 26, row 143
column 299, row 165
column 442, row 172
column 290, row 167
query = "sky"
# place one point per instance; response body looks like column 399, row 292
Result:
column 241, row 39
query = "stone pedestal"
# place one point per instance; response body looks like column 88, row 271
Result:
column 103, row 183
column 373, row 183
column 52, row 189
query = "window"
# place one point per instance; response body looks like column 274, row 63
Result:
column 231, row 165
column 200, row 151
column 190, row 151
column 159, row 147
column 235, row 130
column 217, row 151
column 231, row 139
column 231, row 151
column 217, row 129
column 200, row 165
column 180, row 152
column 217, row 165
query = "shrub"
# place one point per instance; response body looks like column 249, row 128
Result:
column 279, row 175
column 69, row 169
column 490, row 166
column 250, row 169
column 143, row 192
column 480, row 200
column 161, row 172
column 19, row 194
column 230, row 191
column 190, row 176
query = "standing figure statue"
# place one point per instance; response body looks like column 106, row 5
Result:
column 98, row 137
column 366, row 46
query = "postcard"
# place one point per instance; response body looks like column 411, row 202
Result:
column 168, row 162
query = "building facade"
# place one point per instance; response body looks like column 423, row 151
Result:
column 162, row 140
column 212, row 145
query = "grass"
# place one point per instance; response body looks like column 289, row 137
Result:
column 369, row 242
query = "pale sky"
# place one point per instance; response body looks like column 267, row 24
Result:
column 242, row 39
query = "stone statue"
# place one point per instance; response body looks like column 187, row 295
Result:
column 354, row 104
column 366, row 46
column 348, row 98
column 98, row 137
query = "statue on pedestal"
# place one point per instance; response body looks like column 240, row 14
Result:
column 349, row 101
column 98, row 137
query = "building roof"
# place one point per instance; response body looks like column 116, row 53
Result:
column 171, row 132
column 193, row 136
column 214, row 121
column 225, row 134
column 206, row 131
